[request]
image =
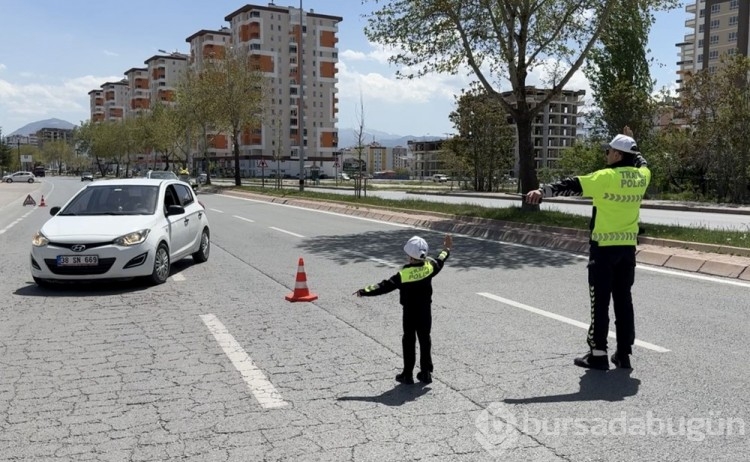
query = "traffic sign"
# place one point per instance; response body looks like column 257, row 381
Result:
column 262, row 164
column 336, row 164
column 29, row 201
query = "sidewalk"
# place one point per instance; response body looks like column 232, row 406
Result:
column 714, row 260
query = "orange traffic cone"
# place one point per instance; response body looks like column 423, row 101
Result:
column 301, row 294
column 41, row 203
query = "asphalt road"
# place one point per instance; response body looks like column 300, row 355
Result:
column 216, row 365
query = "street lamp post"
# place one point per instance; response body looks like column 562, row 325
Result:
column 20, row 164
column 301, row 100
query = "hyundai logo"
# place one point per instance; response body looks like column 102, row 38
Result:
column 78, row 248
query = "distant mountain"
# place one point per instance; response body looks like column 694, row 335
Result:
column 34, row 127
column 348, row 138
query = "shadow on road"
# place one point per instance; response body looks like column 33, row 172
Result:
column 466, row 253
column 397, row 396
column 615, row 385
column 104, row 287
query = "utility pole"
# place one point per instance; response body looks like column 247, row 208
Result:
column 301, row 124
column 20, row 164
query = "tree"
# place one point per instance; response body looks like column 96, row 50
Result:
column 485, row 142
column 360, row 182
column 57, row 153
column 6, row 153
column 618, row 71
column 716, row 107
column 237, row 91
column 499, row 41
column 199, row 113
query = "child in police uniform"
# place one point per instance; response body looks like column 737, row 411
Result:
column 414, row 282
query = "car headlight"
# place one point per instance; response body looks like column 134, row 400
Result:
column 133, row 238
column 39, row 240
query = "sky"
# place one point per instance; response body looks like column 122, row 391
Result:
column 53, row 53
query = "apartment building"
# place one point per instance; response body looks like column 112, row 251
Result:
column 400, row 158
column 96, row 104
column 377, row 157
column 139, row 91
column 165, row 73
column 204, row 46
column 428, row 157
column 716, row 27
column 555, row 128
column 49, row 134
column 297, row 50
column 115, row 96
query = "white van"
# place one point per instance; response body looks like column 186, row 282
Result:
column 439, row 178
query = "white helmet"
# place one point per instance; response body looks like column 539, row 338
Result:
column 416, row 248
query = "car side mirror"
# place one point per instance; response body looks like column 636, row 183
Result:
column 53, row 211
column 175, row 210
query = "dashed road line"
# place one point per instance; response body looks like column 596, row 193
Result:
column 243, row 219
column 216, row 210
column 285, row 231
column 572, row 322
column 178, row 277
column 263, row 390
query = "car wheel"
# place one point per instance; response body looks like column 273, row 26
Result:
column 9, row 180
column 42, row 283
column 161, row 265
column 31, row 180
column 205, row 248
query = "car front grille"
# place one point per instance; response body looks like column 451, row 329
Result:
column 104, row 265
column 89, row 245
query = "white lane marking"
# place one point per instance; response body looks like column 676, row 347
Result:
column 572, row 322
column 216, row 210
column 244, row 219
column 510, row 244
column 285, row 231
column 18, row 220
column 263, row 390
column 398, row 225
column 178, row 277
column 700, row 277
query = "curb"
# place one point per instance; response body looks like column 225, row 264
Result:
column 693, row 257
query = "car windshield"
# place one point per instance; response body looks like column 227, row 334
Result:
column 163, row 175
column 113, row 200
column 86, row 174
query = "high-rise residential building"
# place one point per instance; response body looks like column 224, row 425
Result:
column 115, row 96
column 96, row 103
column 428, row 157
column 377, row 157
column 165, row 73
column 297, row 50
column 206, row 45
column 50, row 134
column 400, row 158
column 555, row 127
column 716, row 27
column 139, row 92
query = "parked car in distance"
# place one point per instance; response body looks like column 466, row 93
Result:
column 23, row 177
column 40, row 171
column 87, row 176
column 161, row 174
column 344, row 176
column 121, row 229
column 439, row 178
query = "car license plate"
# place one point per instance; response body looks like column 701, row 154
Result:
column 77, row 260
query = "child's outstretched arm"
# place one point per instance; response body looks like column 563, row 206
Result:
column 383, row 287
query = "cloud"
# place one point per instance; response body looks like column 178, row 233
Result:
column 22, row 102
column 110, row 53
column 378, row 53
column 3, row 67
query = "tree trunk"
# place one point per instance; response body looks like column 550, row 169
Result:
column 236, row 149
column 527, row 173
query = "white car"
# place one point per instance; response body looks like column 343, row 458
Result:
column 24, row 177
column 121, row 229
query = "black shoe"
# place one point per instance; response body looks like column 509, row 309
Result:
column 592, row 362
column 403, row 378
column 621, row 361
column 424, row 377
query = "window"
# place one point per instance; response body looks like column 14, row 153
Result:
column 732, row 21
column 732, row 37
column 700, row 29
column 702, row 13
column 714, row 39
column 700, row 58
column 713, row 54
column 700, row 43
column 715, row 8
column 184, row 193
column 715, row 23
column 734, row 4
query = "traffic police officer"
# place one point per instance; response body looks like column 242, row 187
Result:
column 617, row 192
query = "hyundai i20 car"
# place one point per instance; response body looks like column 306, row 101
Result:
column 121, row 229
